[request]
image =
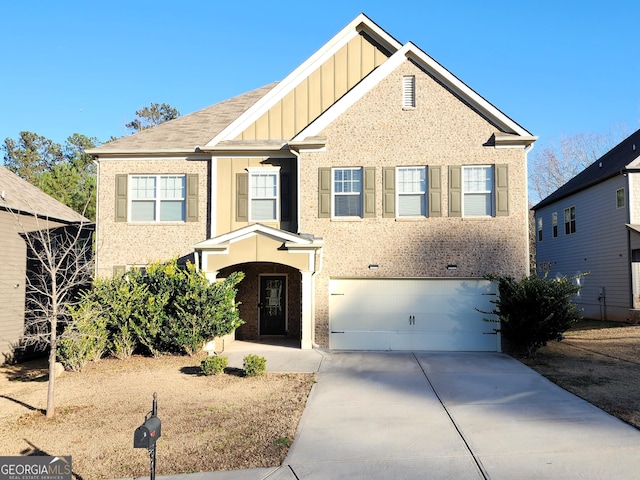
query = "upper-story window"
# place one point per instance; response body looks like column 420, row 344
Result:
column 477, row 191
column 264, row 192
column 620, row 198
column 347, row 192
column 539, row 229
column 554, row 224
column 569, row 220
column 157, row 198
column 411, row 190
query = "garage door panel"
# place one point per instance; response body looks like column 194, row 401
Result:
column 411, row 314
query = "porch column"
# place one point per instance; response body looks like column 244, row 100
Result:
column 306, row 342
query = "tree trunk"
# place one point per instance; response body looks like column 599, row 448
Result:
column 52, row 380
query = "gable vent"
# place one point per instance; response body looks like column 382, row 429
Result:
column 408, row 91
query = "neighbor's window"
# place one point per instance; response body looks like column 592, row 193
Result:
column 554, row 223
column 263, row 194
column 620, row 198
column 157, row 198
column 539, row 229
column 569, row 220
column 411, row 188
column 477, row 190
column 347, row 192
column 408, row 91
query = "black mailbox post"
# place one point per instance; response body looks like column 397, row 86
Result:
column 147, row 434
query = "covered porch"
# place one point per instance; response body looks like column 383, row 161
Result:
column 277, row 294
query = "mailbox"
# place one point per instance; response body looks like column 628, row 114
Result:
column 146, row 434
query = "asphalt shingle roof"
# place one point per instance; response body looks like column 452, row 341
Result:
column 184, row 133
column 608, row 165
column 20, row 196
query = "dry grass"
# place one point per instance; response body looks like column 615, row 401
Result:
column 208, row 423
column 600, row 362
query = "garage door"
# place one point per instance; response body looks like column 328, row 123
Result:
column 411, row 314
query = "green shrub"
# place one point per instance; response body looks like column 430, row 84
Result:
column 533, row 311
column 164, row 308
column 254, row 365
column 214, row 365
column 85, row 339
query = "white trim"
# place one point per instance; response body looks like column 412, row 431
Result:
column 157, row 199
column 213, row 196
column 492, row 191
column 412, row 52
column 360, row 23
column 271, row 171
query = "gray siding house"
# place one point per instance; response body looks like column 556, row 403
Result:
column 23, row 209
column 592, row 225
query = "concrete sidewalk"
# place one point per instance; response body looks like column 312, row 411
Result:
column 380, row 415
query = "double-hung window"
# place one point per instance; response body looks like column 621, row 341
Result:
column 539, row 229
column 554, row 223
column 157, row 198
column 411, row 190
column 477, row 190
column 569, row 220
column 264, row 188
column 347, row 192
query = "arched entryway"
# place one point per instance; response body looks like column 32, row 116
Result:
column 270, row 299
column 279, row 284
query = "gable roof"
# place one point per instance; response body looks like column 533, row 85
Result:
column 612, row 163
column 217, row 127
column 183, row 134
column 20, row 196
column 398, row 53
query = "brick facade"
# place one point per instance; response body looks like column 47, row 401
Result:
column 440, row 131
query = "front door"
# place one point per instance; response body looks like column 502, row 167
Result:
column 273, row 304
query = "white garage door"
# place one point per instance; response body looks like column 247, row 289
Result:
column 411, row 314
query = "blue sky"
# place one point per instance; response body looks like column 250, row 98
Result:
column 555, row 67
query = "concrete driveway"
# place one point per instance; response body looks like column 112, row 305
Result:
column 381, row 415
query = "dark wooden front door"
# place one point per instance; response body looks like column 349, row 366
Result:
column 273, row 304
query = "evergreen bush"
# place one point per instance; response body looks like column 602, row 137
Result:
column 254, row 365
column 214, row 365
column 534, row 310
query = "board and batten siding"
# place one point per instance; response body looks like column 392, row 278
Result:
column 598, row 247
column 318, row 91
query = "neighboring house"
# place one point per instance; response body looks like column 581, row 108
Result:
column 365, row 197
column 592, row 225
column 23, row 209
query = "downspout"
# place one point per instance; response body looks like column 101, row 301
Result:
column 298, row 215
column 317, row 254
column 527, row 149
column 95, row 255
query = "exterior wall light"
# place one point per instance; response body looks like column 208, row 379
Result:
column 451, row 266
column 373, row 266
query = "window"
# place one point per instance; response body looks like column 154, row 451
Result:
column 157, row 198
column 347, row 192
column 620, row 198
column 477, row 190
column 411, row 189
column 539, row 229
column 263, row 194
column 569, row 220
column 554, row 223
column 408, row 91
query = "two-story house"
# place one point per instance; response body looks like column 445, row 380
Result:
column 590, row 225
column 365, row 197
